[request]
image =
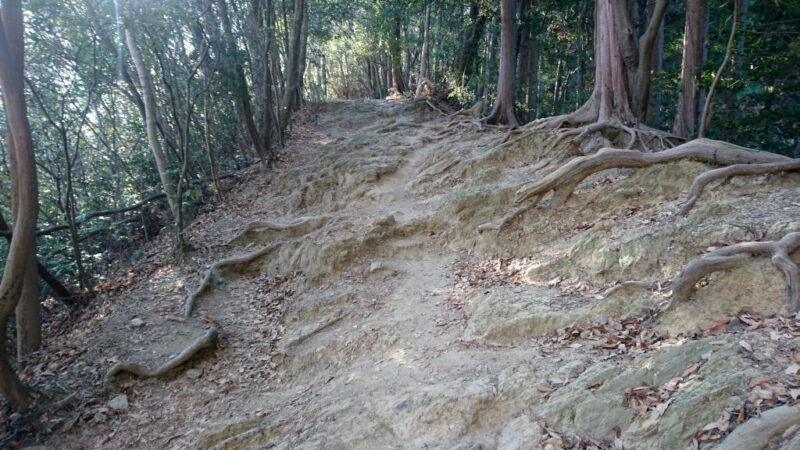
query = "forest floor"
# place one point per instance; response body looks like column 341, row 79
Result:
column 376, row 316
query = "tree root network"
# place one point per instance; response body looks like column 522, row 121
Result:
column 215, row 270
column 203, row 342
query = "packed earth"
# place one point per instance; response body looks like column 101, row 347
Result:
column 384, row 288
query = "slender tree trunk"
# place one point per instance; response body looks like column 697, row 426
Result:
column 423, row 59
column 292, row 65
column 21, row 257
column 469, row 52
column 647, row 46
column 694, row 36
column 147, row 88
column 656, row 66
column 302, row 62
column 503, row 111
column 28, row 311
column 705, row 120
column 242, row 93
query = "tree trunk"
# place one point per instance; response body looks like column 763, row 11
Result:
column 694, row 37
column 610, row 98
column 302, row 69
column 656, row 65
column 20, row 259
column 245, row 109
column 28, row 310
column 146, row 85
column 292, row 65
column 647, row 46
column 503, row 110
column 423, row 59
column 469, row 52
column 396, row 54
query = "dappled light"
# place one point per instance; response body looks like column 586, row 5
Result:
column 368, row 224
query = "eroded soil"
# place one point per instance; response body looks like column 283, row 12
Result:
column 376, row 315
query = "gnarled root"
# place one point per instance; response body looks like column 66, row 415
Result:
column 564, row 180
column 648, row 285
column 724, row 173
column 683, row 285
column 204, row 341
column 497, row 226
column 214, row 271
column 298, row 227
column 759, row 432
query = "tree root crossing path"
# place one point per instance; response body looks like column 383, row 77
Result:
column 396, row 282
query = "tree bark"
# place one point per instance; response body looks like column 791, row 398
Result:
column 647, row 45
column 242, row 93
column 146, row 86
column 20, row 260
column 656, row 65
column 694, row 36
column 292, row 65
column 503, row 111
column 396, row 54
column 705, row 119
column 423, row 59
column 469, row 52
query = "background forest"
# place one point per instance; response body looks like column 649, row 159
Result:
column 137, row 108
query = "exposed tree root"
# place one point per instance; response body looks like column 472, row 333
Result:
column 761, row 431
column 648, row 285
column 683, row 285
column 562, row 182
column 214, row 271
column 300, row 226
column 435, row 108
column 735, row 170
column 497, row 226
column 204, row 341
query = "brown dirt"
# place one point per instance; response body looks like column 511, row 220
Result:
column 394, row 324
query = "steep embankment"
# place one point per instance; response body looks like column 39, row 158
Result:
column 368, row 312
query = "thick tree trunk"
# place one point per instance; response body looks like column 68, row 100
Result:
column 610, row 98
column 694, row 37
column 503, row 111
column 396, row 54
column 146, row 86
column 423, row 59
column 20, row 259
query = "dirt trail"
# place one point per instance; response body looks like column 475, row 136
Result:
column 376, row 316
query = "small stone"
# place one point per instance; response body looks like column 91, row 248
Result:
column 119, row 403
column 194, row 373
column 137, row 322
column 376, row 266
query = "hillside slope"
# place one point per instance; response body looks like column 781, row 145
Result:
column 369, row 312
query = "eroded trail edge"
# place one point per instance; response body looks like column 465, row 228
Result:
column 359, row 307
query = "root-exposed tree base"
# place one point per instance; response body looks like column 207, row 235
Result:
column 203, row 342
